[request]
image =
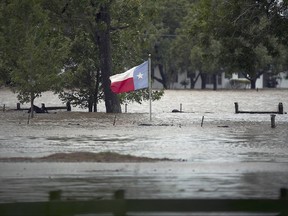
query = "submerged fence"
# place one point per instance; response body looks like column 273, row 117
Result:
column 279, row 111
column 121, row 206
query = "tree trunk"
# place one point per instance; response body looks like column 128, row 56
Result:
column 203, row 80
column 192, row 83
column 192, row 80
column 253, row 83
column 103, row 20
column 214, row 81
column 90, row 105
column 164, row 80
column 32, row 98
column 96, row 90
column 95, row 106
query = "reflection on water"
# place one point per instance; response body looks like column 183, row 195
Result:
column 82, row 181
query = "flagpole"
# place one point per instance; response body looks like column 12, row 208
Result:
column 150, row 86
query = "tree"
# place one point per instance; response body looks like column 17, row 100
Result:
column 249, row 37
column 197, row 44
column 4, row 71
column 34, row 49
column 81, row 78
column 239, row 36
column 165, row 18
column 140, row 96
column 112, row 33
column 102, row 36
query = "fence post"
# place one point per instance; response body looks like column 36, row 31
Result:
column 284, row 196
column 236, row 107
column 202, row 121
column 280, row 108
column 68, row 105
column 54, row 209
column 55, row 195
column 284, row 193
column 273, row 125
column 120, row 204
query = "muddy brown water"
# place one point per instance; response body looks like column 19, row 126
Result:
column 230, row 156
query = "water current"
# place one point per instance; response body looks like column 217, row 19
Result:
column 222, row 154
column 207, row 130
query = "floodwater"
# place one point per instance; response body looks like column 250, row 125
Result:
column 218, row 153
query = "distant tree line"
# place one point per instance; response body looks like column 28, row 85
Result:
column 72, row 47
column 214, row 36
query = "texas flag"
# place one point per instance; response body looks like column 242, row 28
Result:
column 131, row 80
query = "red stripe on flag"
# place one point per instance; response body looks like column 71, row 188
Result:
column 123, row 86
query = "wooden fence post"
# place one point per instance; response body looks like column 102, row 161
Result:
column 68, row 105
column 280, row 108
column 236, row 107
column 284, row 196
column 273, row 125
column 120, row 204
column 55, row 195
column 284, row 193
column 202, row 121
column 53, row 209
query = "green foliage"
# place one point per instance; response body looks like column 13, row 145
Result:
column 140, row 96
column 82, row 78
column 236, row 35
column 166, row 18
column 197, row 46
column 254, row 44
column 55, row 44
column 34, row 49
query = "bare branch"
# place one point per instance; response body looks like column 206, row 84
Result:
column 119, row 28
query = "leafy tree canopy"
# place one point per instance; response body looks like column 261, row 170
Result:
column 33, row 49
column 84, row 74
column 244, row 32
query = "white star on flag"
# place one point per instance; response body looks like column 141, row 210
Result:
column 140, row 75
column 131, row 80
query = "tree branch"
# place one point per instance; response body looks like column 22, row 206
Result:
column 242, row 14
column 119, row 28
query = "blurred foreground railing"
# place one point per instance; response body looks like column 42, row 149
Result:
column 121, row 206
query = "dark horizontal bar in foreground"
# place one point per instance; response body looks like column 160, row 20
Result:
column 121, row 206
